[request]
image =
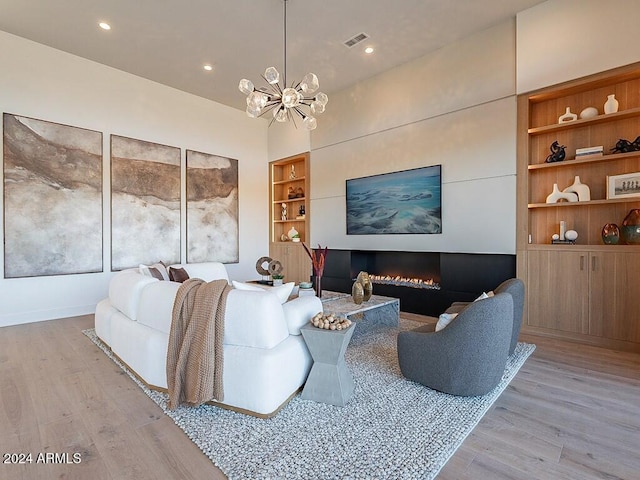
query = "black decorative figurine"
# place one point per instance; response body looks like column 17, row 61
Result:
column 557, row 153
column 624, row 146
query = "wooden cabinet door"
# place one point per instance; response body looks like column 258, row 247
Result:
column 615, row 295
column 296, row 262
column 558, row 290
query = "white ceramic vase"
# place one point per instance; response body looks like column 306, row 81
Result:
column 611, row 105
column 568, row 116
column 556, row 195
column 580, row 189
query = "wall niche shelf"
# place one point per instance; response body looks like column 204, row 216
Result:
column 285, row 174
column 578, row 292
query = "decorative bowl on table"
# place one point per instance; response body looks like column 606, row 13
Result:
column 305, row 285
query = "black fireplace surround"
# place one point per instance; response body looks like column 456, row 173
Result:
column 461, row 276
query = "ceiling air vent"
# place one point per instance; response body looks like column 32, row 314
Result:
column 355, row 40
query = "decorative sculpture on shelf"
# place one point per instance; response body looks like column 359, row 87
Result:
column 624, row 146
column 266, row 266
column 283, row 215
column 583, row 191
column 556, row 195
column 557, row 153
column 568, row 116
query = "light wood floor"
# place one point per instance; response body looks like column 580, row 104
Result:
column 572, row 412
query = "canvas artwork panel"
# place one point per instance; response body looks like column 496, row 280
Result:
column 145, row 203
column 405, row 202
column 52, row 198
column 212, row 208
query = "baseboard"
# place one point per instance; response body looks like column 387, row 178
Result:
column 46, row 315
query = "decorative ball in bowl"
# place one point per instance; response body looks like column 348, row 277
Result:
column 305, row 284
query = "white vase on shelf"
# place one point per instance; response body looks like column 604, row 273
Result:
column 556, row 195
column 611, row 105
column 580, row 189
column 568, row 116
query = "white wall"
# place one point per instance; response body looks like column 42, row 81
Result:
column 48, row 84
column 455, row 107
column 561, row 40
column 285, row 140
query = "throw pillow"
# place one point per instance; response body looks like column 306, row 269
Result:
column 282, row 292
column 444, row 320
column 179, row 275
column 157, row 270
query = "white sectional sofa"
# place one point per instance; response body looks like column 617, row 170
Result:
column 266, row 359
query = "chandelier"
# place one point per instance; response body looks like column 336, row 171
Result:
column 285, row 103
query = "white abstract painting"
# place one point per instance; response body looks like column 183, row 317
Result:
column 52, row 198
column 145, row 203
column 212, row 208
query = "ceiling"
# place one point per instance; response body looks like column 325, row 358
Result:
column 169, row 41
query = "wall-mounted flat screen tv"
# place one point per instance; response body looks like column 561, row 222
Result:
column 406, row 202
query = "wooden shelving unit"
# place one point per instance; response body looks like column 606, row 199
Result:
column 289, row 184
column 579, row 292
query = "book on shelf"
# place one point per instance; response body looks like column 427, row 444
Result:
column 589, row 150
column 589, row 155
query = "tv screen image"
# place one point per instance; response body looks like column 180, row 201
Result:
column 406, row 202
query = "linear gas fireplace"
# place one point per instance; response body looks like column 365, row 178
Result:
column 400, row 281
column 425, row 282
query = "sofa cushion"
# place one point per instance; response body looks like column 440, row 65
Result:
column 157, row 270
column 283, row 292
column 125, row 289
column 178, row 274
column 207, row 271
column 445, row 319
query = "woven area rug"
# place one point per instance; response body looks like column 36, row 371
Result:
column 391, row 428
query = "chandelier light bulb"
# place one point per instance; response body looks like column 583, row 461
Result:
column 271, row 75
column 309, row 83
column 290, row 97
column 246, row 86
column 322, row 99
column 310, row 123
column 317, row 108
column 280, row 114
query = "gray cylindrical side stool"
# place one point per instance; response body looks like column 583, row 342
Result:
column 329, row 380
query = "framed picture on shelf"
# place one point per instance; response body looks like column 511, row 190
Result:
column 623, row 186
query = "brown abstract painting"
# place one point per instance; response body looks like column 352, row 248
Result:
column 52, row 198
column 145, row 203
column 212, row 208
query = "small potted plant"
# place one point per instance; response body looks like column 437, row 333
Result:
column 296, row 237
column 277, row 279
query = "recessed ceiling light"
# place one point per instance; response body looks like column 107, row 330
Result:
column 368, row 50
column 104, row 26
column 208, row 67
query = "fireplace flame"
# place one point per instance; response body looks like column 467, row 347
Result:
column 400, row 281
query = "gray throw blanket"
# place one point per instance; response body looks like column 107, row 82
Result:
column 195, row 356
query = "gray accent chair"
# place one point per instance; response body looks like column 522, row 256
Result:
column 466, row 358
column 514, row 287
